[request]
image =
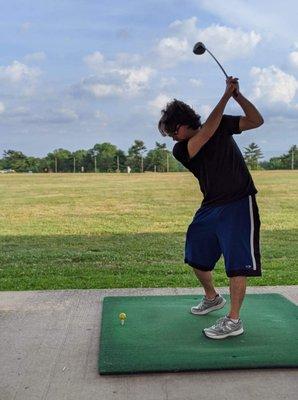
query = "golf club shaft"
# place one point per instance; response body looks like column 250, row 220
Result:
column 218, row 63
column 235, row 91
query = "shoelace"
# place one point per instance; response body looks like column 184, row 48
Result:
column 220, row 322
column 204, row 302
column 207, row 301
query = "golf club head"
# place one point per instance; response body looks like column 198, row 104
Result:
column 199, row 48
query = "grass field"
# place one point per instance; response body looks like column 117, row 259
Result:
column 83, row 231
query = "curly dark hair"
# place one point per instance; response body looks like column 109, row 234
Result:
column 177, row 113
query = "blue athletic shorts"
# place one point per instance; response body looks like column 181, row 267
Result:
column 231, row 230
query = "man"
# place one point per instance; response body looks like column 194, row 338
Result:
column 228, row 220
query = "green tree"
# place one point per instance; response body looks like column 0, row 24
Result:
column 175, row 165
column 15, row 160
column 284, row 161
column 80, row 159
column 89, row 161
column 252, row 155
column 122, row 160
column 34, row 164
column 135, row 155
column 106, row 156
column 161, row 158
column 64, row 160
column 293, row 156
column 157, row 158
column 46, row 165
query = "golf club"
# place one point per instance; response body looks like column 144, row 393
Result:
column 200, row 48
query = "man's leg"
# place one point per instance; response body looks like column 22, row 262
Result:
column 231, row 326
column 205, row 277
column 237, row 293
column 212, row 300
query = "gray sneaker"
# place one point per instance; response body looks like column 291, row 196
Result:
column 206, row 306
column 223, row 328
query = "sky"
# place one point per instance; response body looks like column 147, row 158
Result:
column 78, row 72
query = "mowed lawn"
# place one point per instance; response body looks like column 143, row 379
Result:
column 67, row 231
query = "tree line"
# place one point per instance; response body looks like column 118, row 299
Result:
column 106, row 157
column 103, row 157
column 253, row 155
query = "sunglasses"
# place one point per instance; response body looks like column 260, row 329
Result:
column 166, row 130
column 173, row 133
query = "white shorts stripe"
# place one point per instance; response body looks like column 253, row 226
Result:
column 252, row 229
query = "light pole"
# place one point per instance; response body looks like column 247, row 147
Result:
column 168, row 166
column 95, row 154
column 142, row 164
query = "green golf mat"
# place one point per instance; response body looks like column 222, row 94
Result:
column 161, row 335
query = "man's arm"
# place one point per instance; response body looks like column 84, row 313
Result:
column 208, row 129
column 253, row 119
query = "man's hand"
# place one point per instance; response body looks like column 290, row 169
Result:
column 232, row 87
column 237, row 90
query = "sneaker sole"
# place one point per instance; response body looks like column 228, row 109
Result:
column 208, row 310
column 235, row 333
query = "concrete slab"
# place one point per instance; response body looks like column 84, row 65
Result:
column 49, row 349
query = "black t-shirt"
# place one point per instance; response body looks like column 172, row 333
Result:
column 219, row 165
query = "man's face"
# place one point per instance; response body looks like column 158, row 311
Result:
column 182, row 132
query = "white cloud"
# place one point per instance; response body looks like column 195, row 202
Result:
column 294, row 58
column 136, row 79
column 113, row 78
column 186, row 27
column 272, row 19
column 225, row 42
column 229, row 43
column 94, row 61
column 99, row 114
column 68, row 114
column 26, row 115
column 103, row 118
column 17, row 72
column 166, row 82
column 26, row 26
column 17, row 112
column 196, row 82
column 160, row 102
column 128, row 59
column 35, row 57
column 173, row 50
column 101, row 90
column 273, row 85
column 21, row 111
column 2, row 107
column 99, row 64
column 18, row 79
column 205, row 111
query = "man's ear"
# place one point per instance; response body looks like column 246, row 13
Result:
column 184, row 128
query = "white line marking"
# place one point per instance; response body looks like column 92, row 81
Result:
column 252, row 228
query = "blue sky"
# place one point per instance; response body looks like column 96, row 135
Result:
column 75, row 73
